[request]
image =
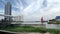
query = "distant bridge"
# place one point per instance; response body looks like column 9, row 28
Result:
column 7, row 15
column 26, row 21
column 20, row 21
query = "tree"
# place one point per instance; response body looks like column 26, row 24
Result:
column 1, row 21
column 53, row 19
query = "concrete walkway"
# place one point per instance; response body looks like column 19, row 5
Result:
column 3, row 31
column 33, row 33
column 7, row 32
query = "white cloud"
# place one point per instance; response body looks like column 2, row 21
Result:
column 50, row 12
column 35, row 12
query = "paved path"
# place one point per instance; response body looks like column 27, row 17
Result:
column 32, row 33
column 3, row 31
column 7, row 32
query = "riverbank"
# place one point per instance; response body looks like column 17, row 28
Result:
column 30, row 29
column 25, row 29
column 53, row 31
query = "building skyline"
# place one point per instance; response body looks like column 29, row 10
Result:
column 8, row 8
column 31, row 10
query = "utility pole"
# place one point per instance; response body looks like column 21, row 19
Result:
column 42, row 20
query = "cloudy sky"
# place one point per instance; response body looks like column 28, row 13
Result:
column 33, row 9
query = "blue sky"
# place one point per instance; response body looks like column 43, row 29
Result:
column 33, row 9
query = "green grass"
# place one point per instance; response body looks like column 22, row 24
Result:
column 30, row 29
column 53, row 31
column 25, row 29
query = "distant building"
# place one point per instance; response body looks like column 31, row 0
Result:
column 55, row 21
column 8, row 8
column 57, row 18
column 17, row 19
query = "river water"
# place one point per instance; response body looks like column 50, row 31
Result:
column 52, row 26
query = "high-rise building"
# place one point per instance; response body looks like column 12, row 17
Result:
column 8, row 8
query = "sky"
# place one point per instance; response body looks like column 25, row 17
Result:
column 33, row 10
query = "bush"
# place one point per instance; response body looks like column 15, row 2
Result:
column 25, row 29
column 53, row 31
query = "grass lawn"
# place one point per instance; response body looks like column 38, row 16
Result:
column 24, row 29
column 30, row 29
column 53, row 31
